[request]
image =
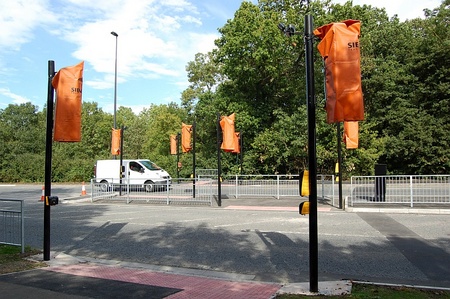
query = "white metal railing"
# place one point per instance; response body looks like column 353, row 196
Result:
column 206, row 173
column 275, row 186
column 400, row 189
column 238, row 186
column 179, row 191
column 11, row 223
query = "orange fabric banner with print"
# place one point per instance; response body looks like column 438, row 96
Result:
column 186, row 131
column 68, row 83
column 115, row 141
column 339, row 46
column 228, row 134
column 173, row 144
column 351, row 134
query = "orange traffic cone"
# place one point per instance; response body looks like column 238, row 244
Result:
column 43, row 193
column 83, row 190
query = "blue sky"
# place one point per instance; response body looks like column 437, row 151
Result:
column 157, row 38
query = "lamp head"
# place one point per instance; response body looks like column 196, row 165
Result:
column 288, row 31
column 115, row 34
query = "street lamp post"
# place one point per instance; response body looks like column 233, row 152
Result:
column 115, row 80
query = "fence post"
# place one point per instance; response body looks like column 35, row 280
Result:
column 92, row 190
column 236, row 185
column 22, row 229
column 351, row 191
column 332, row 186
column 167, row 191
column 128, row 189
column 411, row 190
column 323, row 186
column 278, row 186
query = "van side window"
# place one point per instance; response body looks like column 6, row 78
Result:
column 135, row 167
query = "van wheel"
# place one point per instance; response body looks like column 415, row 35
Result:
column 149, row 186
column 104, row 186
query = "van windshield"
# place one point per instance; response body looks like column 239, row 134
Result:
column 150, row 165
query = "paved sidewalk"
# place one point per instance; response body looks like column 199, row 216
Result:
column 76, row 278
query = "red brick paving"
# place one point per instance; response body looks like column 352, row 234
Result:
column 192, row 286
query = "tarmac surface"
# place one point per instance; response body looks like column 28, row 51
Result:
column 71, row 276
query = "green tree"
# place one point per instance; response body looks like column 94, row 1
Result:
column 23, row 142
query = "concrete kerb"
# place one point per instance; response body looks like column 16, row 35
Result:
column 62, row 259
column 79, row 198
column 326, row 288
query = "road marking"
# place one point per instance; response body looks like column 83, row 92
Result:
column 261, row 208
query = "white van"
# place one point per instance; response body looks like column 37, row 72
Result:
column 141, row 172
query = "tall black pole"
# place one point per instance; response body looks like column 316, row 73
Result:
column 339, row 144
column 178, row 155
column 193, row 158
column 48, row 159
column 121, row 159
column 310, row 94
column 219, row 167
column 241, row 140
column 115, row 82
column 115, row 78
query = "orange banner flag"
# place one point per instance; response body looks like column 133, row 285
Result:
column 115, row 141
column 68, row 83
column 228, row 134
column 186, row 138
column 351, row 134
column 173, row 144
column 339, row 46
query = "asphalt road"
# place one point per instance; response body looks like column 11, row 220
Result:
column 272, row 244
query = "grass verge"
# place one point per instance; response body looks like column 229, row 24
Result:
column 12, row 260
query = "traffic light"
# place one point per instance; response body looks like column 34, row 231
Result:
column 115, row 142
column 339, row 46
column 122, row 171
column 304, row 183
column 186, row 138
column 51, row 200
column 303, row 208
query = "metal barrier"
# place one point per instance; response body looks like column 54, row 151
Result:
column 206, row 173
column 275, row 186
column 238, row 186
column 180, row 191
column 398, row 189
column 12, row 223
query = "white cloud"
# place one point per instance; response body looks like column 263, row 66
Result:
column 18, row 19
column 17, row 99
column 155, row 38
